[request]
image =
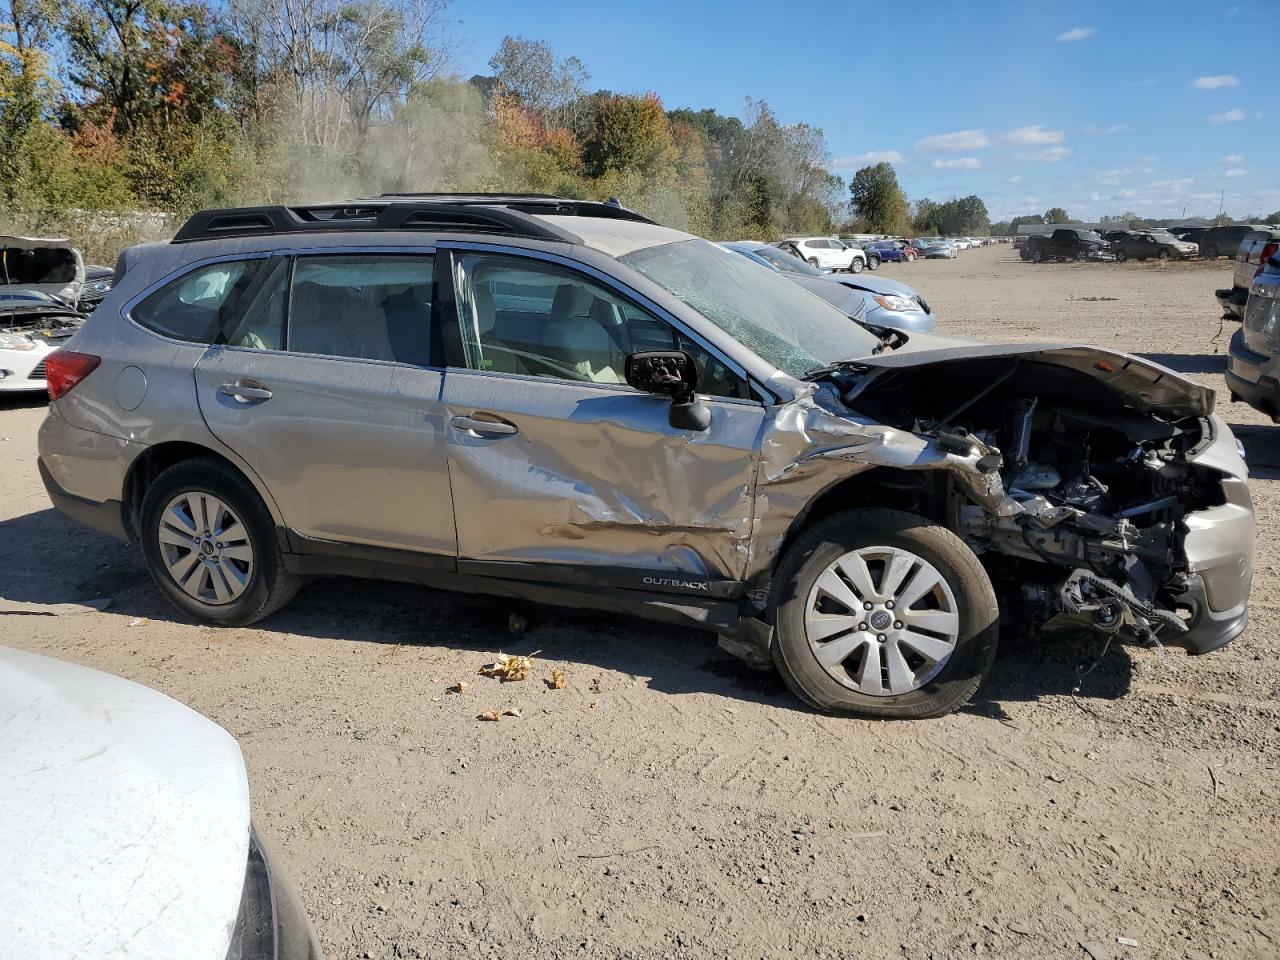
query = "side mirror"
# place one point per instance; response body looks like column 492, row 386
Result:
column 670, row 373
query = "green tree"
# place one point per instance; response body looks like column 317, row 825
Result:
column 877, row 198
column 629, row 133
column 1056, row 215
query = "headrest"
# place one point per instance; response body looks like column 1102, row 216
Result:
column 571, row 300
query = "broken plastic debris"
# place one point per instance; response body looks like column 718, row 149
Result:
column 512, row 712
column 139, row 622
column 491, row 715
column 557, row 681
column 1126, row 941
column 459, row 687
column 507, row 668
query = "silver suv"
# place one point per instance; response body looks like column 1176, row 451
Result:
column 565, row 402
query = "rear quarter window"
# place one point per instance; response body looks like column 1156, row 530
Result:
column 198, row 306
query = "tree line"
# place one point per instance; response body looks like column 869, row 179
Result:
column 173, row 105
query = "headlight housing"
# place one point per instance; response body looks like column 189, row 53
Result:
column 897, row 304
column 99, row 287
column 271, row 924
column 16, row 341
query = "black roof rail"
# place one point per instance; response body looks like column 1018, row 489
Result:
column 509, row 216
column 543, row 203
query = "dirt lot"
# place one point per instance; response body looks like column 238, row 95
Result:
column 669, row 803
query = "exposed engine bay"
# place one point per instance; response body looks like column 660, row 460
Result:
column 1079, row 503
column 56, row 326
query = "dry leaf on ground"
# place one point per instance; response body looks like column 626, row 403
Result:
column 557, row 681
column 491, row 715
column 512, row 712
column 507, row 668
column 459, row 687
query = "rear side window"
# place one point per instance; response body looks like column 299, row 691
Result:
column 365, row 307
column 197, row 306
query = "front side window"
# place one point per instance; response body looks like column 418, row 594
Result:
column 199, row 305
column 532, row 318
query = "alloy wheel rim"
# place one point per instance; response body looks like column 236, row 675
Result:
column 206, row 548
column 881, row 621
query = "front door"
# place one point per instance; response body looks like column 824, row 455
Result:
column 559, row 470
column 328, row 388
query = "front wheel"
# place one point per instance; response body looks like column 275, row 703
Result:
column 813, row 261
column 1121, row 256
column 210, row 544
column 882, row 613
column 1037, row 257
column 855, row 266
column 1162, row 255
column 873, row 263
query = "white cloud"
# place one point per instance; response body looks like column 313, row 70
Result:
column 1229, row 116
column 1077, row 33
column 958, row 163
column 1016, row 178
column 960, row 140
column 867, row 159
column 1034, row 135
column 1216, row 82
column 1050, row 155
column 1233, row 158
column 1235, row 172
column 1094, row 130
column 1179, row 184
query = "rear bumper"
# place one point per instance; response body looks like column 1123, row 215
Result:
column 1253, row 377
column 106, row 517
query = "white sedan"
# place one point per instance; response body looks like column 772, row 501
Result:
column 126, row 830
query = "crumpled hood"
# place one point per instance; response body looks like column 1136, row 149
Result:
column 125, row 825
column 1146, row 386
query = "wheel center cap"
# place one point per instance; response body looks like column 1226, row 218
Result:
column 881, row 619
column 206, row 547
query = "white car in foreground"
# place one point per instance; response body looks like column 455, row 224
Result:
column 32, row 326
column 125, row 830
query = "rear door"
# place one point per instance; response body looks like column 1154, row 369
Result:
column 328, row 384
column 559, row 470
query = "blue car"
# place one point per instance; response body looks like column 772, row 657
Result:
column 892, row 251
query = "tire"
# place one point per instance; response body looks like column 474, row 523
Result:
column 1037, row 257
column 856, row 266
column 873, row 263
column 1162, row 255
column 928, row 687
column 813, row 262
column 1024, row 253
column 1081, row 256
column 1121, row 256
column 250, row 552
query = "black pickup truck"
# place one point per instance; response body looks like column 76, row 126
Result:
column 1065, row 243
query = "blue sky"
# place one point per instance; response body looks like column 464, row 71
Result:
column 1098, row 107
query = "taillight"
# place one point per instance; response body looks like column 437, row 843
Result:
column 63, row 369
column 1268, row 252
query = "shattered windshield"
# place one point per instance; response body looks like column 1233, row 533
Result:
column 774, row 317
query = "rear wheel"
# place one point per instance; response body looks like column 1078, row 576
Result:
column 813, row 261
column 884, row 614
column 1037, row 256
column 856, row 266
column 1162, row 255
column 210, row 544
column 873, row 262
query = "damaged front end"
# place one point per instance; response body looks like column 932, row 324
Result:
column 1098, row 489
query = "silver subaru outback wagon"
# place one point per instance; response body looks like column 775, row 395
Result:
column 564, row 402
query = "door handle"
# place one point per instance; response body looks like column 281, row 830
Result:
column 473, row 425
column 246, row 391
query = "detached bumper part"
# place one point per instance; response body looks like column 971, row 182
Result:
column 271, row 924
column 1209, row 629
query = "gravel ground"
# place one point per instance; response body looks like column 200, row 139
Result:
column 668, row 803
